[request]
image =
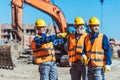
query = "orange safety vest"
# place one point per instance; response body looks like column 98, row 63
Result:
column 75, row 47
column 94, row 51
column 44, row 53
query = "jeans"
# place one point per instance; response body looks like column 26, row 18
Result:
column 48, row 71
column 77, row 71
column 95, row 73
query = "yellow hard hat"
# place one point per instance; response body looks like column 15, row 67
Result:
column 40, row 23
column 79, row 20
column 94, row 21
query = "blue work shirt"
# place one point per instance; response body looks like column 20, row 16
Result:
column 105, row 46
column 46, row 39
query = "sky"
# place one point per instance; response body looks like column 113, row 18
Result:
column 71, row 9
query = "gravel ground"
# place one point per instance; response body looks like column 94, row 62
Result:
column 24, row 71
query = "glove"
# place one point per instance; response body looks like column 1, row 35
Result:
column 107, row 68
column 83, row 59
column 71, row 30
column 61, row 35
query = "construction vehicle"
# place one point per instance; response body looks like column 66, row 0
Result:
column 17, row 29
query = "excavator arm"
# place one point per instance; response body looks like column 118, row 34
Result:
column 43, row 5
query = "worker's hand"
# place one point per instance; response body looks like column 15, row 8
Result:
column 71, row 30
column 83, row 59
column 107, row 68
column 61, row 35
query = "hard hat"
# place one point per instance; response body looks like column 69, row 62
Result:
column 79, row 20
column 40, row 23
column 94, row 21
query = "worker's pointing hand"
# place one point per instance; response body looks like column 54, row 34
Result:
column 61, row 35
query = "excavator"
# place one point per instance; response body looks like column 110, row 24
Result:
column 43, row 5
column 17, row 31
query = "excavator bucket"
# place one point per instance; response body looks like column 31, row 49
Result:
column 5, row 57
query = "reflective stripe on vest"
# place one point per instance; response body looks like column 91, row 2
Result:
column 37, row 50
column 44, row 53
column 95, row 53
column 75, row 47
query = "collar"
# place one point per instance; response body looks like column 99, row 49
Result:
column 94, row 35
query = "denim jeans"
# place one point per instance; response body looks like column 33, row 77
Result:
column 95, row 73
column 77, row 71
column 48, row 71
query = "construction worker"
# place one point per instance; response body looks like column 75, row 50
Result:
column 44, row 53
column 75, row 49
column 98, row 52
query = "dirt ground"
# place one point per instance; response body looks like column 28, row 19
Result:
column 24, row 71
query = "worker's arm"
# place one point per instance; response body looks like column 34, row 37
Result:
column 107, row 50
column 84, row 49
column 84, row 58
column 50, row 38
column 46, row 39
column 56, row 39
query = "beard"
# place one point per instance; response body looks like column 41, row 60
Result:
column 80, row 31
